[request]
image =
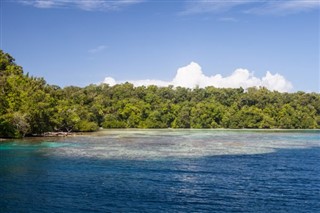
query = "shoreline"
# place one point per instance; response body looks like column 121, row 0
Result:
column 74, row 134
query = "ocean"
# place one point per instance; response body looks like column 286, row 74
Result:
column 163, row 171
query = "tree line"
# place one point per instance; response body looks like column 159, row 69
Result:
column 28, row 106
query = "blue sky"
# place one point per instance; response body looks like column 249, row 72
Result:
column 72, row 42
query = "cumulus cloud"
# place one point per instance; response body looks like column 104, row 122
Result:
column 191, row 76
column 276, row 82
column 81, row 4
column 110, row 81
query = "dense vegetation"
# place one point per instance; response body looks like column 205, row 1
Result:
column 28, row 105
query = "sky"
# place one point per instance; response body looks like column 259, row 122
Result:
column 229, row 43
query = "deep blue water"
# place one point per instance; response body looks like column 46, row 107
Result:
column 62, row 176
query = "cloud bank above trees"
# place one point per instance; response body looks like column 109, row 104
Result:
column 191, row 76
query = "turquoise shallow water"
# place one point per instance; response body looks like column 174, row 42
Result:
column 32, row 145
column 163, row 171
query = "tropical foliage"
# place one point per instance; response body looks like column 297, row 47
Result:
column 28, row 105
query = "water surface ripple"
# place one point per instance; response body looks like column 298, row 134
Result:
column 163, row 171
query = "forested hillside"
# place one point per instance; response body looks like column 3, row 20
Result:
column 28, row 105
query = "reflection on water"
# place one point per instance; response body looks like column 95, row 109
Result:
column 157, row 144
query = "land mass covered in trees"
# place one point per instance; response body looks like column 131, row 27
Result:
column 29, row 106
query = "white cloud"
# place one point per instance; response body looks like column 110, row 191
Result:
column 192, row 76
column 285, row 7
column 281, row 7
column 189, row 76
column 81, row 4
column 205, row 6
column 110, row 81
column 97, row 49
column 43, row 3
column 276, row 82
column 149, row 82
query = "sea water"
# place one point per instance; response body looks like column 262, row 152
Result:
column 163, row 171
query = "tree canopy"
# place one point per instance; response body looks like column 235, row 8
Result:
column 28, row 105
